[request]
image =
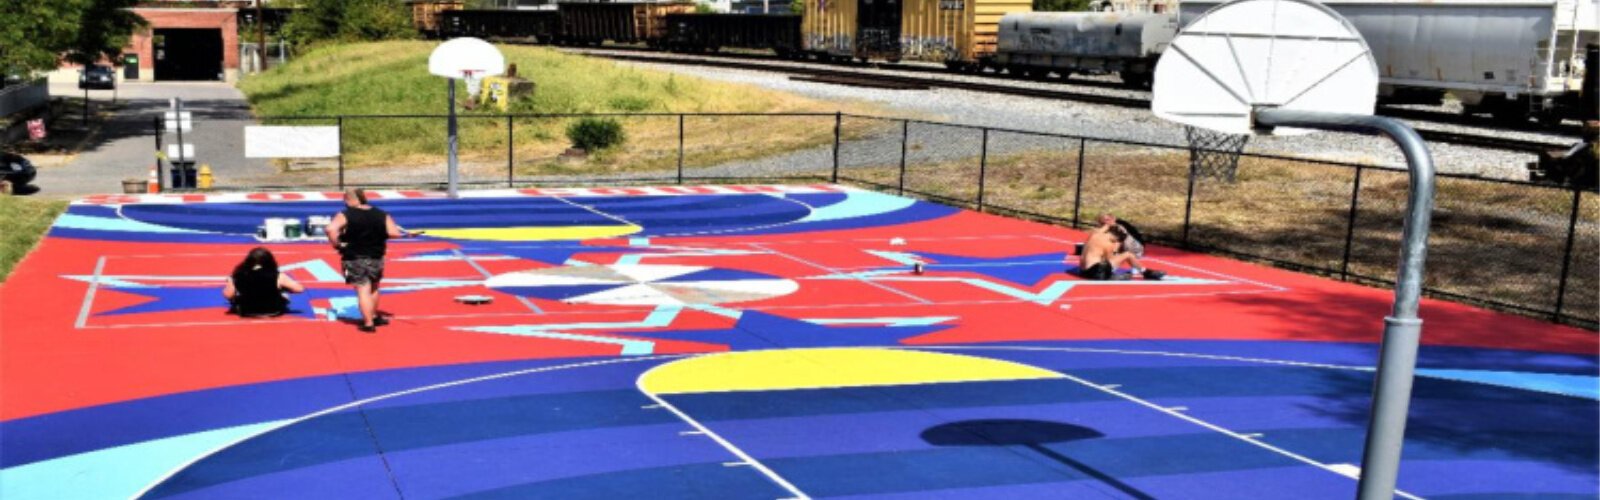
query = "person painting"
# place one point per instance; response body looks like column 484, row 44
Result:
column 361, row 235
column 1129, row 242
column 255, row 289
column 1104, row 253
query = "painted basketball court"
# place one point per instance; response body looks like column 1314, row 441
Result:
column 738, row 342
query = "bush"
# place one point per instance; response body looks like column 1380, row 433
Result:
column 595, row 134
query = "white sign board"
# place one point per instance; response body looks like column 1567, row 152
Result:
column 172, row 121
column 261, row 141
column 172, row 152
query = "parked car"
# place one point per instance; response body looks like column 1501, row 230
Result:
column 97, row 77
column 18, row 171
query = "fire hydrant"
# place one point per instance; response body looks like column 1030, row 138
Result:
column 205, row 177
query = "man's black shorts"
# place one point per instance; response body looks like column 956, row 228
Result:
column 363, row 270
column 1101, row 271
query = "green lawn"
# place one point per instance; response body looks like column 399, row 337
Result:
column 22, row 222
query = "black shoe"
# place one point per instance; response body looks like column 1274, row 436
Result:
column 368, row 328
column 1154, row 275
column 380, row 321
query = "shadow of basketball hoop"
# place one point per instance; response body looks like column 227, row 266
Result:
column 1031, row 434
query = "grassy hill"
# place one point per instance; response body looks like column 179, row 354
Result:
column 392, row 78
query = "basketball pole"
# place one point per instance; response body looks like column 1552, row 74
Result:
column 1402, row 329
column 451, row 125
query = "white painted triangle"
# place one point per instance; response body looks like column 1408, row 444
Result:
column 542, row 279
column 650, row 273
column 628, row 295
column 768, row 287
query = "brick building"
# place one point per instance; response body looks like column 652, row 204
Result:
column 189, row 40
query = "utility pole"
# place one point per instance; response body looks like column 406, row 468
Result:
column 261, row 36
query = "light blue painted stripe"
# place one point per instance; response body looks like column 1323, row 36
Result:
column 1582, row 386
column 639, row 242
column 345, row 307
column 630, row 347
column 75, row 221
column 119, row 472
column 899, row 257
column 318, row 268
column 859, row 204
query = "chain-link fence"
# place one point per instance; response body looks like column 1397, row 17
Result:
column 1516, row 246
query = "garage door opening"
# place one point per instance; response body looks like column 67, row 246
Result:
column 188, row 54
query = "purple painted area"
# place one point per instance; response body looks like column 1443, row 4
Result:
column 362, row 477
column 458, row 469
column 1300, row 483
column 1450, row 477
column 901, row 430
column 565, row 380
column 1067, row 489
column 1248, row 414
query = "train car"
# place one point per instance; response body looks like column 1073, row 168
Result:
column 540, row 26
column 1514, row 59
column 959, row 33
column 425, row 14
column 779, row 33
column 597, row 23
column 1067, row 42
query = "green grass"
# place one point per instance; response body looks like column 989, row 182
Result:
column 22, row 222
column 391, row 78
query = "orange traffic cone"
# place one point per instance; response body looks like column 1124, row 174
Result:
column 155, row 180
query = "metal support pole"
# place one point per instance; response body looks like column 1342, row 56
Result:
column 905, row 136
column 1402, row 330
column 511, row 153
column 340, row 124
column 161, row 131
column 451, row 126
column 983, row 165
column 1350, row 225
column 1566, row 259
column 183, row 156
column 838, row 123
column 680, row 149
column 1077, row 194
column 1188, row 205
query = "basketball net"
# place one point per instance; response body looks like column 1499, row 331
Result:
column 1213, row 154
column 474, row 79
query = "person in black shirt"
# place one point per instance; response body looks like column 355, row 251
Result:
column 361, row 236
column 255, row 289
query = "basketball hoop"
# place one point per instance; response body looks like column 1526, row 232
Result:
column 1214, row 154
column 470, row 59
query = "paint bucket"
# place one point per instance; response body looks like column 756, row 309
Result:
column 261, row 232
column 317, row 226
column 275, row 230
column 293, row 229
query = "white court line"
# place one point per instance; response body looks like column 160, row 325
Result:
column 601, row 213
column 838, row 272
column 743, row 457
column 88, row 297
column 374, row 399
column 486, row 276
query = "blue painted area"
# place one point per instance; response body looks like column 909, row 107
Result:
column 857, row 204
column 703, row 480
column 119, row 472
column 77, row 221
column 1582, row 386
column 760, row 330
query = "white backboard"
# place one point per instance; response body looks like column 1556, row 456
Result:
column 453, row 58
column 1249, row 54
column 262, row 141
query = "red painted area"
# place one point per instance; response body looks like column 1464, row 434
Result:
column 47, row 364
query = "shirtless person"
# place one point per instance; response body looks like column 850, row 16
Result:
column 1103, row 254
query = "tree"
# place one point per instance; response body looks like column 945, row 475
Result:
column 348, row 20
column 103, row 31
column 1060, row 5
column 35, row 33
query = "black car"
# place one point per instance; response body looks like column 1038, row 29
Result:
column 97, row 77
column 16, row 170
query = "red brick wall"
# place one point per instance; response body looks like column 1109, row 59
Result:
column 224, row 19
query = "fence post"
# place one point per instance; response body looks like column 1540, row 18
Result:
column 1350, row 225
column 680, row 149
column 983, row 165
column 1566, row 257
column 1077, row 195
column 1188, row 206
column 905, row 135
column 340, row 125
column 838, row 122
column 511, row 153
column 161, row 130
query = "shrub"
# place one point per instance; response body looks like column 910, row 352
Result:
column 595, row 134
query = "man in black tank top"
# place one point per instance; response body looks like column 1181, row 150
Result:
column 361, row 236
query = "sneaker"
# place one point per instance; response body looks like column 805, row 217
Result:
column 1154, row 275
column 368, row 328
column 380, row 321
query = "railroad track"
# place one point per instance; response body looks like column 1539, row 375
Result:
column 844, row 76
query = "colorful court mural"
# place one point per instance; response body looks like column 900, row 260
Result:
column 738, row 342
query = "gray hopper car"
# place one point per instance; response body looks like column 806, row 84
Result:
column 1095, row 42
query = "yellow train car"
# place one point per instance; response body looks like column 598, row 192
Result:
column 959, row 33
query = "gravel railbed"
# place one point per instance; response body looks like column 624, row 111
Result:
column 1111, row 122
column 1109, row 85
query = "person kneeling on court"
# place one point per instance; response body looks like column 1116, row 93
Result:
column 1103, row 254
column 256, row 288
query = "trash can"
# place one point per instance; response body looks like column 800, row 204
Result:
column 184, row 175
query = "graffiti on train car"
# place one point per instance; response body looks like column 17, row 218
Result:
column 929, row 48
column 836, row 43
